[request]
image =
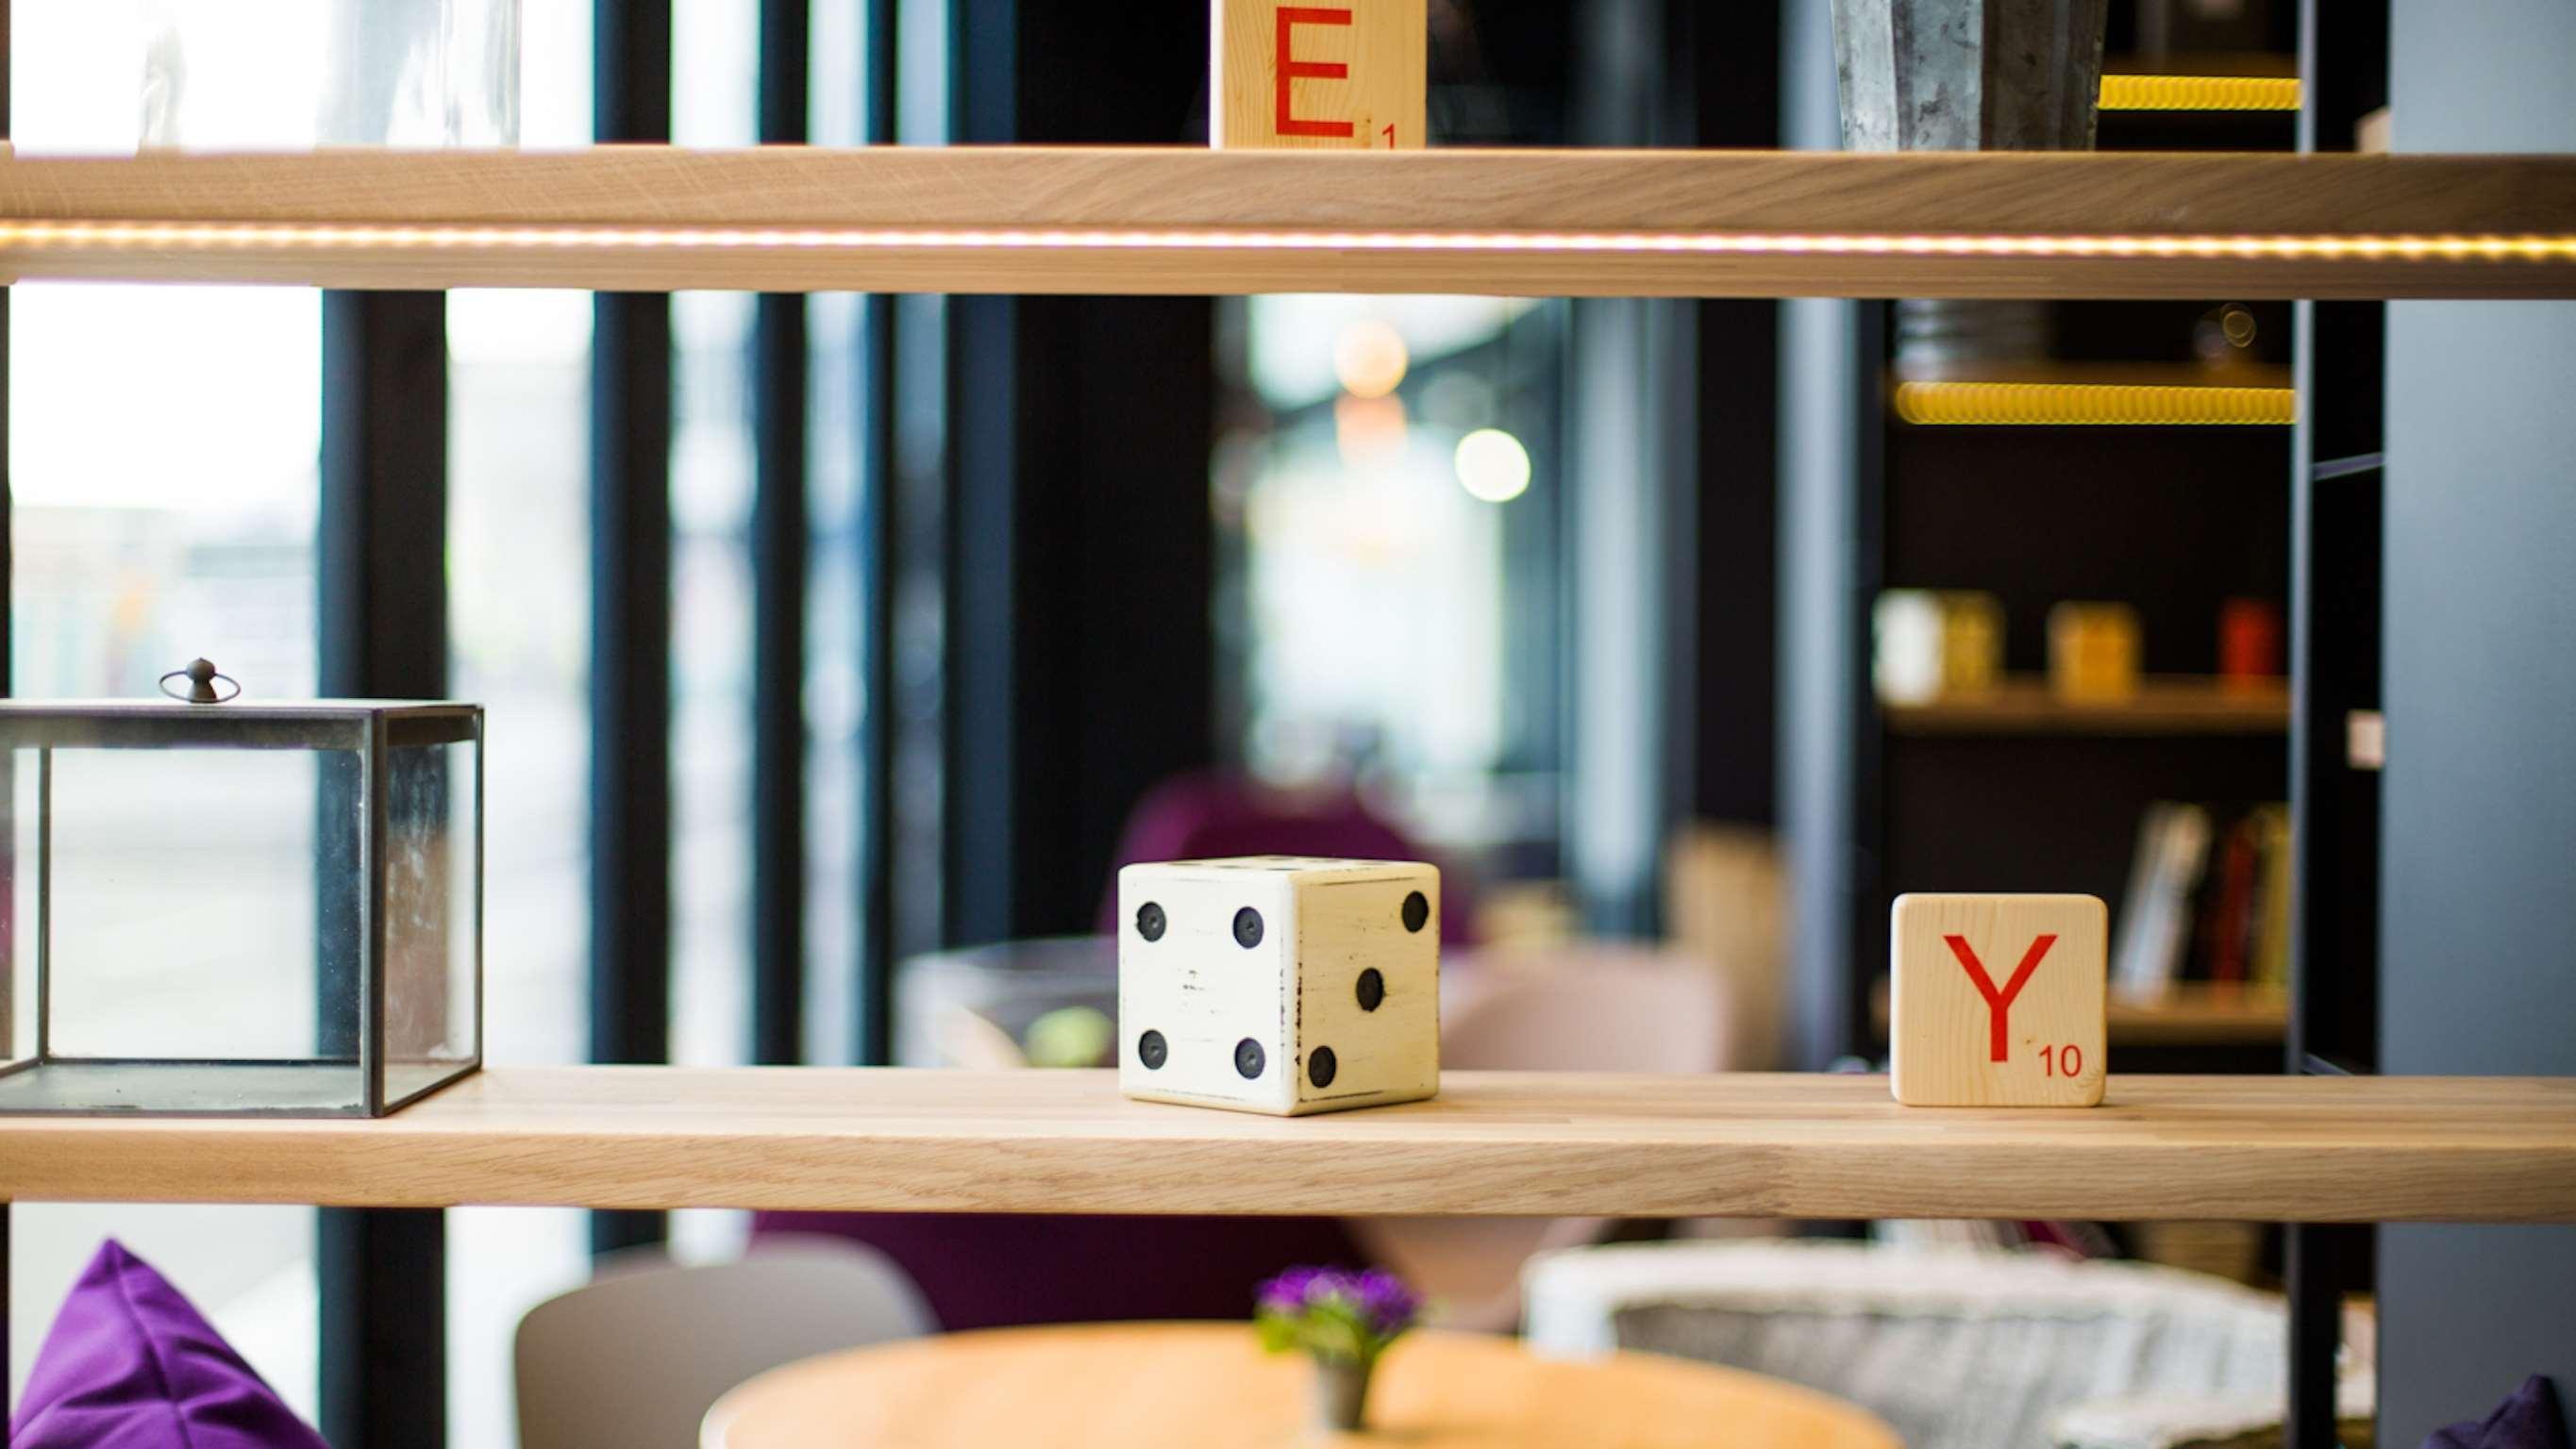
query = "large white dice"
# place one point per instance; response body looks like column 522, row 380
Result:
column 1277, row 983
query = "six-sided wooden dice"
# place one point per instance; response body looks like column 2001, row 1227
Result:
column 1997, row 1000
column 1280, row 984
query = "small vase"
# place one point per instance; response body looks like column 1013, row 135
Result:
column 1341, row 1395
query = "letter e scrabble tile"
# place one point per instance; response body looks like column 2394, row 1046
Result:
column 1997, row 1000
column 1347, row 75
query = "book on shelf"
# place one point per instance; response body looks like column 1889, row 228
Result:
column 2207, row 900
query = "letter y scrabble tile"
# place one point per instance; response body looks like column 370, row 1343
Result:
column 1997, row 1000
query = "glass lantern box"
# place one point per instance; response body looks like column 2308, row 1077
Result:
column 218, row 908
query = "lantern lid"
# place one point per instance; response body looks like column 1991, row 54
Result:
column 203, row 713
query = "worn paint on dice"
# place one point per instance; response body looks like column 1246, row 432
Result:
column 1279, row 984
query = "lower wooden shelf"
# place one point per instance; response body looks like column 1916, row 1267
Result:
column 2461, row 1149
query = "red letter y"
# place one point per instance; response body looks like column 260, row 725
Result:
column 1999, row 1003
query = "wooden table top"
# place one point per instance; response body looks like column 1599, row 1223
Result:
column 1127, row 1385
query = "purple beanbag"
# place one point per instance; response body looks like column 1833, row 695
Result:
column 130, row 1364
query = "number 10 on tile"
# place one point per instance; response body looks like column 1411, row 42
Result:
column 1997, row 1000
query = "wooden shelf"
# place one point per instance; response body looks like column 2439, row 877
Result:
column 2165, row 705
column 1192, row 220
column 2276, row 1148
column 2187, row 1014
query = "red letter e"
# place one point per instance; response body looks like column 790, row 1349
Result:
column 1290, row 68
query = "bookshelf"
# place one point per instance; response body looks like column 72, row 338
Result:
column 1493, row 1143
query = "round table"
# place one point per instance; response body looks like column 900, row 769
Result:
column 1134, row 1385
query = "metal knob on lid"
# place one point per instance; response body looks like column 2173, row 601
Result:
column 201, row 677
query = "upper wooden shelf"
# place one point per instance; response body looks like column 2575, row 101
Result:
column 2163, row 705
column 1190, row 220
column 2326, row 1149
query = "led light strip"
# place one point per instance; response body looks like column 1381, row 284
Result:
column 2199, row 93
column 1994, row 404
column 333, row 236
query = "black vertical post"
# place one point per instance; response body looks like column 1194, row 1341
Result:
column 873, row 1032
column 983, row 776
column 1076, row 680
column 778, row 563
column 2338, row 355
column 382, row 615
column 1732, row 52
column 630, row 677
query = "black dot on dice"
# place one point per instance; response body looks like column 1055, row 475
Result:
column 1149, row 921
column 1372, row 989
column 1417, row 910
column 1151, row 1051
column 1247, row 931
column 1249, row 1058
column 1320, row 1067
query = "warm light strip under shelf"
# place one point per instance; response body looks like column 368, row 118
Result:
column 328, row 236
column 2199, row 93
column 2061, row 404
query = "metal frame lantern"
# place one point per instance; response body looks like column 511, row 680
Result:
column 397, row 994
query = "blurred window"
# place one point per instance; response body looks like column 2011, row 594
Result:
column 164, row 448
column 518, row 619
column 1386, row 509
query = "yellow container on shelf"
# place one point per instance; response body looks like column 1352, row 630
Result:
column 2093, row 651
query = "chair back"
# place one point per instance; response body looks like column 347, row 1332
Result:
column 1592, row 1006
column 1957, row 1348
column 635, row 1358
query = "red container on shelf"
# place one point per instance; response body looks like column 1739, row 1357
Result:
column 2249, row 640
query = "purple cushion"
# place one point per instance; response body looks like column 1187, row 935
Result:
column 130, row 1364
column 2528, row 1420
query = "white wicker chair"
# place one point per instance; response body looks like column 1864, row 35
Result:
column 1956, row 1348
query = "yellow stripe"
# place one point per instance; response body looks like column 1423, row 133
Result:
column 1933, row 404
column 2199, row 93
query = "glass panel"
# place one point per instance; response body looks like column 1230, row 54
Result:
column 518, row 523
column 431, row 869
column 183, row 904
column 715, row 73
column 137, row 547
column 1396, row 466
column 18, row 919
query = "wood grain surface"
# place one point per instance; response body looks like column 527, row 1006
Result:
column 1997, row 1000
column 1126, row 1385
column 1188, row 220
column 2483, row 1149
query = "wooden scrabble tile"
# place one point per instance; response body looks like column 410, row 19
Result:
column 1997, row 1000
column 1350, row 75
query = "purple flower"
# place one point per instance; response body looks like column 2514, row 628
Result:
column 1325, row 1307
